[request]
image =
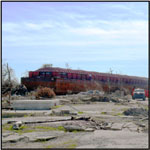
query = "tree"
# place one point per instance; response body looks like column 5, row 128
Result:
column 8, row 78
column 25, row 74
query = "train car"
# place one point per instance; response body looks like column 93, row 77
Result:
column 64, row 81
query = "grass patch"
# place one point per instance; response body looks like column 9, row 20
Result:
column 12, row 115
column 80, row 112
column 103, row 113
column 118, row 114
column 72, row 146
column 27, row 129
column 124, row 109
column 59, row 128
column 7, row 127
column 50, row 146
column 113, row 109
column 55, row 107
column 146, row 107
column 22, row 129
column 75, row 131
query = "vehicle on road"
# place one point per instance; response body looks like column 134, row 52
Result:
column 139, row 94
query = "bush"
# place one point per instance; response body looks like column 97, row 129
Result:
column 44, row 92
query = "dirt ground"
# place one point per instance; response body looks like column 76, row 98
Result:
column 86, row 125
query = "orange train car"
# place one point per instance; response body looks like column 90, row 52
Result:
column 64, row 81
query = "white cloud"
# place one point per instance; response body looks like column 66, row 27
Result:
column 90, row 33
column 33, row 26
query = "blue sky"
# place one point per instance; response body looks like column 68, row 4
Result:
column 94, row 36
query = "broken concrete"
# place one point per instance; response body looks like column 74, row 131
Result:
column 43, row 138
column 72, row 128
column 97, row 129
column 34, row 104
column 15, row 138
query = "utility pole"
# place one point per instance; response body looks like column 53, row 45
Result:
column 108, row 81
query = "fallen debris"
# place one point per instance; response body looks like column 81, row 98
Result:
column 136, row 112
column 43, row 139
column 19, row 90
column 72, row 128
column 17, row 125
column 80, row 118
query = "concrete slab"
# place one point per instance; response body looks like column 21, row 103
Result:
column 34, row 104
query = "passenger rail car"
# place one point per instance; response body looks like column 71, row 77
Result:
column 65, row 81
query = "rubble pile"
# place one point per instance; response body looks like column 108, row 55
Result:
column 136, row 112
column 19, row 90
column 99, row 96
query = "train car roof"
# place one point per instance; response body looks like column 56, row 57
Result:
column 57, row 69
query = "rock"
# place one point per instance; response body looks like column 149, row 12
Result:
column 89, row 130
column 86, row 99
column 17, row 125
column 100, row 99
column 106, row 126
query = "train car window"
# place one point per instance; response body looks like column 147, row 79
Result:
column 48, row 74
column 89, row 76
column 85, row 77
column 116, row 80
column 78, row 76
column 96, row 77
column 42, row 74
column 66, row 76
column 74, row 76
column 69, row 75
